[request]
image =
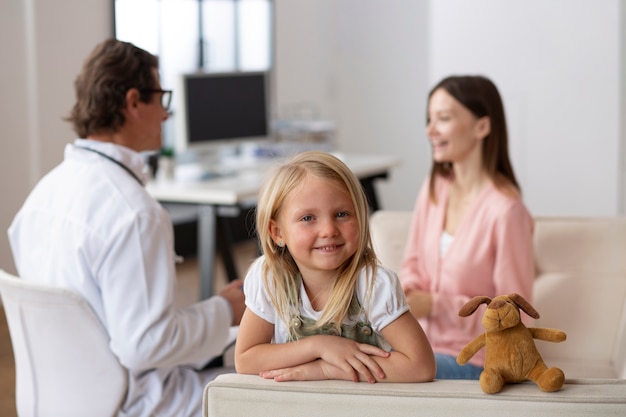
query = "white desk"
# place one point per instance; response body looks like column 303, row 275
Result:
column 211, row 199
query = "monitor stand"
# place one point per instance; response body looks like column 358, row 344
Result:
column 202, row 164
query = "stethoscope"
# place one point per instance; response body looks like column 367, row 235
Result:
column 115, row 161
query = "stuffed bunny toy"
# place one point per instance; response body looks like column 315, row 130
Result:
column 510, row 352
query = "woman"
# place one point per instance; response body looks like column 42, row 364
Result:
column 471, row 233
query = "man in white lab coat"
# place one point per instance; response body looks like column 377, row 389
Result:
column 90, row 226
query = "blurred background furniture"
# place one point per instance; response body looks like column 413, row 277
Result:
column 211, row 202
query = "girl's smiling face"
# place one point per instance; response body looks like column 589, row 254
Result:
column 318, row 225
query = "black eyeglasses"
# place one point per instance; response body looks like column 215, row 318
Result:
column 166, row 96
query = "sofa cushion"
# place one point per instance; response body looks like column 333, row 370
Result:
column 586, row 246
column 580, row 288
column 589, row 309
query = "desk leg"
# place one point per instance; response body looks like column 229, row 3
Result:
column 225, row 246
column 370, row 192
column 207, row 218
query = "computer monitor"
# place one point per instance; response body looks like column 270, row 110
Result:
column 217, row 109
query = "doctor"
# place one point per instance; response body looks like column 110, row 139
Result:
column 90, row 226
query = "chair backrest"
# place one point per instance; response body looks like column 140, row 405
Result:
column 63, row 363
column 390, row 230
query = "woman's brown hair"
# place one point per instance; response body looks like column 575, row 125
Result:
column 481, row 97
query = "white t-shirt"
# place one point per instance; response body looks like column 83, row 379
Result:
column 444, row 243
column 386, row 304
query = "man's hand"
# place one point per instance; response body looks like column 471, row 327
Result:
column 233, row 293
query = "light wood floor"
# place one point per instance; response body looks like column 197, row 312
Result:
column 187, row 293
column 7, row 371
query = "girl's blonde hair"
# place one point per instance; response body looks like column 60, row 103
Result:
column 281, row 276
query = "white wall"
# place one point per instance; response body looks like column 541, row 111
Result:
column 557, row 66
column 304, row 71
column 622, row 89
column 43, row 45
column 14, row 172
column 556, row 62
column 369, row 64
column 382, row 84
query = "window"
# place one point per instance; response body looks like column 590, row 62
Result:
column 197, row 35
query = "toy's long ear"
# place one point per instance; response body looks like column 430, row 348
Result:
column 524, row 305
column 473, row 304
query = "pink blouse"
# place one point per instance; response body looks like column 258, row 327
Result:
column 491, row 254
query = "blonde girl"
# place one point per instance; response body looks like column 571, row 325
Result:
column 318, row 304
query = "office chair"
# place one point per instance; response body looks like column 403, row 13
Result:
column 63, row 363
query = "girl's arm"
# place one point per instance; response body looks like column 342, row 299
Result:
column 421, row 303
column 255, row 354
column 412, row 358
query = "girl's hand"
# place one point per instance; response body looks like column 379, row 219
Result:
column 254, row 353
column 352, row 358
column 312, row 371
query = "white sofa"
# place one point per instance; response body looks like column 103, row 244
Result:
column 580, row 288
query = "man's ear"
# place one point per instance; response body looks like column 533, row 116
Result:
column 483, row 127
column 132, row 101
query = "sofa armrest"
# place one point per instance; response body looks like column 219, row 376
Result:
column 619, row 356
column 236, row 395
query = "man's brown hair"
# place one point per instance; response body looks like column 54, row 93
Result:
column 112, row 68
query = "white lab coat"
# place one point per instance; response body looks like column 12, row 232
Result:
column 89, row 226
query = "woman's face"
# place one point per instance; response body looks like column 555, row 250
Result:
column 454, row 132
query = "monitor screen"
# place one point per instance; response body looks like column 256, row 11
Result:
column 219, row 108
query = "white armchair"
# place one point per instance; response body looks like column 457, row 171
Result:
column 63, row 363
